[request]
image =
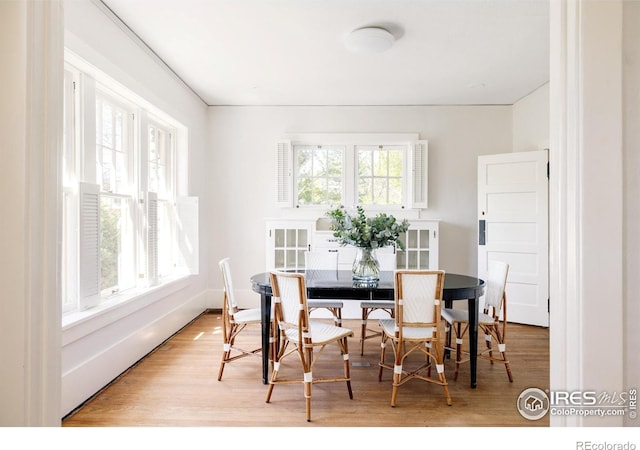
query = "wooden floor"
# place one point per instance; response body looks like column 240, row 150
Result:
column 176, row 385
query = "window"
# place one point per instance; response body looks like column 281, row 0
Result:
column 380, row 175
column 375, row 171
column 161, row 182
column 121, row 166
column 319, row 174
column 114, row 173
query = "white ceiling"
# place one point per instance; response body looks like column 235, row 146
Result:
column 291, row 52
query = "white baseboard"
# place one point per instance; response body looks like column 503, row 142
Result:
column 91, row 363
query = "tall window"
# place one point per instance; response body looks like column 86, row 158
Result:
column 120, row 172
column 69, row 263
column 114, row 173
column 161, row 182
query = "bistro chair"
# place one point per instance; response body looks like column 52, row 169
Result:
column 324, row 260
column 414, row 330
column 234, row 321
column 492, row 321
column 299, row 335
column 387, row 263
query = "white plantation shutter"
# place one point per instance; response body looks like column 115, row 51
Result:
column 187, row 232
column 284, row 171
column 152, row 238
column 89, row 243
column 419, row 174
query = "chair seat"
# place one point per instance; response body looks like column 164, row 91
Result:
column 461, row 315
column 321, row 333
column 382, row 304
column 247, row 315
column 389, row 327
column 325, row 303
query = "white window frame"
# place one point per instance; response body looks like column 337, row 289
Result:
column 128, row 265
column 88, row 83
column 343, row 177
column 69, row 180
column 415, row 168
column 404, row 149
column 157, row 199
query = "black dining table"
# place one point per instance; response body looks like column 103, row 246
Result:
column 340, row 285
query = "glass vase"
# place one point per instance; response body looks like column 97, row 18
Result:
column 366, row 268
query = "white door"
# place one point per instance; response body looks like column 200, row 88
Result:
column 513, row 227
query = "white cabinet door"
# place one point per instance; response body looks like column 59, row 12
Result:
column 286, row 244
column 513, row 228
column 421, row 246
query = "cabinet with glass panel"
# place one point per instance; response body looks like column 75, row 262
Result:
column 421, row 246
column 287, row 242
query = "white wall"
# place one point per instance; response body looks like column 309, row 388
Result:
column 243, row 143
column 531, row 121
column 97, row 350
column 631, row 161
column 12, row 218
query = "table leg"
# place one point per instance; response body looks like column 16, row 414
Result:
column 473, row 338
column 265, row 308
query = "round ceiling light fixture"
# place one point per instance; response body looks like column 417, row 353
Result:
column 369, row 40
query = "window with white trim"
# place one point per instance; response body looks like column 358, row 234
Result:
column 319, row 174
column 380, row 174
column 161, row 162
column 377, row 171
column 115, row 155
column 122, row 163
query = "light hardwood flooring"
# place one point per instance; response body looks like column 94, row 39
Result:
column 176, row 385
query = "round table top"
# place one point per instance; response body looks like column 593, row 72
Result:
column 456, row 286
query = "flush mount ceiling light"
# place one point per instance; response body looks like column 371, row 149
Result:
column 369, row 40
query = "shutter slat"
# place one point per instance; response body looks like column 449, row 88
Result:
column 89, row 230
column 152, row 238
column 420, row 171
column 284, row 170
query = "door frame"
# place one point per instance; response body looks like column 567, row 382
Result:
column 585, row 202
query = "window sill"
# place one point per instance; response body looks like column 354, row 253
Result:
column 76, row 325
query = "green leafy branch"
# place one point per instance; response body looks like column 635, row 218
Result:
column 367, row 232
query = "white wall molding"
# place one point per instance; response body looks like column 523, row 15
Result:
column 44, row 40
column 631, row 76
column 585, row 200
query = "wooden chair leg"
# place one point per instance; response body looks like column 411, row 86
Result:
column 458, row 350
column 487, row 339
column 503, row 353
column 439, row 360
column 337, row 316
column 383, row 348
column 226, row 353
column 307, row 397
column 221, row 369
column 306, row 356
column 363, row 329
column 347, row 368
column 396, row 384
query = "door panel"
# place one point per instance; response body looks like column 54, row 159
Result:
column 513, row 227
